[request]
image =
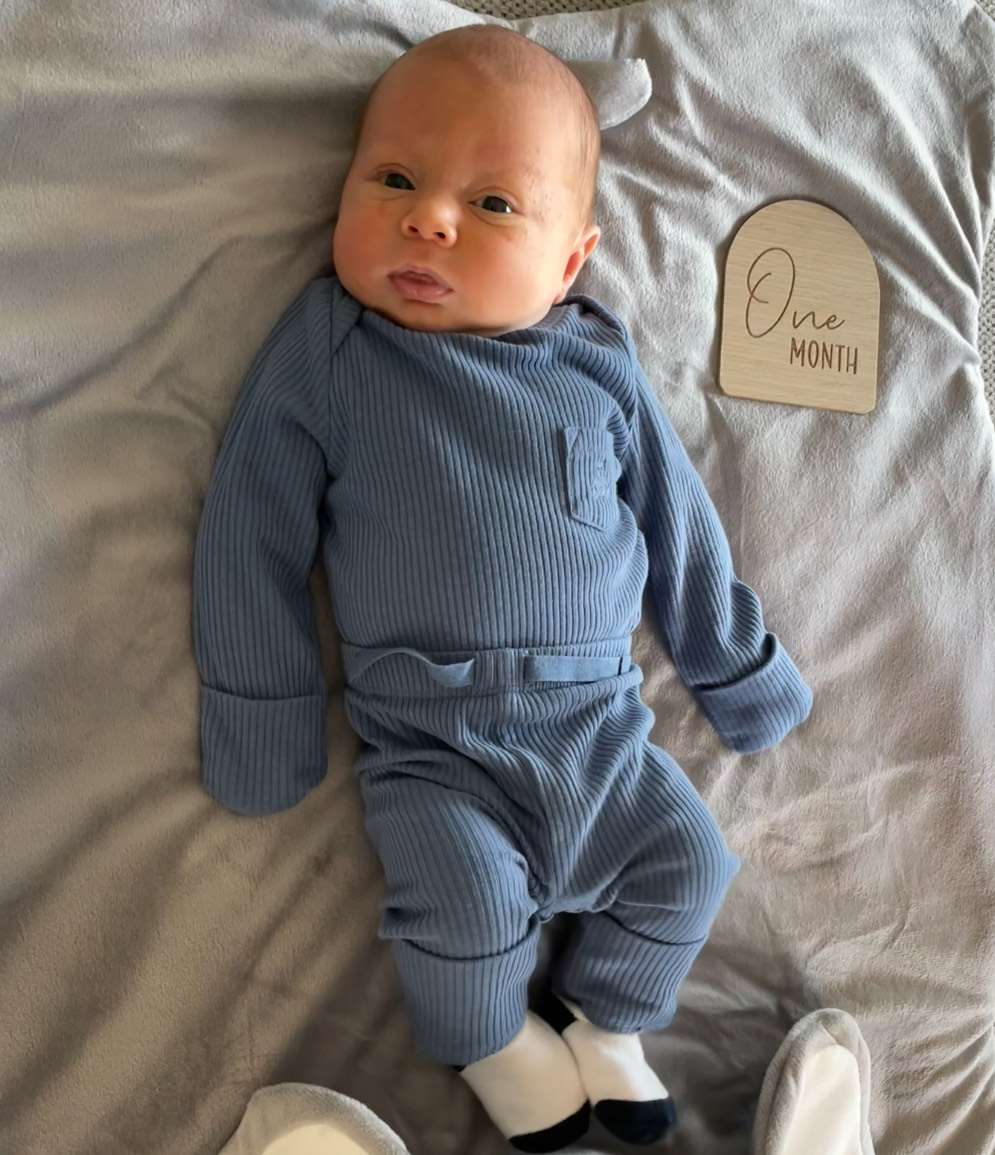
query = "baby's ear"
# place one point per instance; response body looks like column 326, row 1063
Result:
column 618, row 88
column 586, row 245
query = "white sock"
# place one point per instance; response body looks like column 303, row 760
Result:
column 611, row 1066
column 530, row 1086
column 624, row 1091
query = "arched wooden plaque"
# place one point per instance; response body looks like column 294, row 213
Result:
column 800, row 311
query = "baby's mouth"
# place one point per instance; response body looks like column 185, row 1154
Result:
column 418, row 284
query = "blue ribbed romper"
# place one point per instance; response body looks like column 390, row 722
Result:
column 489, row 511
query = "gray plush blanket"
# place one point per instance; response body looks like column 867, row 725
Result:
column 168, row 180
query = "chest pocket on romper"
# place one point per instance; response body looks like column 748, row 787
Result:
column 592, row 472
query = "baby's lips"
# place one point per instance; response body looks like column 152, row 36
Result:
column 415, row 288
column 418, row 273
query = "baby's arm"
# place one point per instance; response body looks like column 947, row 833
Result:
column 263, row 693
column 747, row 686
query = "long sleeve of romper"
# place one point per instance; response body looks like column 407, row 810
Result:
column 743, row 680
column 263, row 696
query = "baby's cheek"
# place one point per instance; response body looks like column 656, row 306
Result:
column 377, row 217
column 355, row 241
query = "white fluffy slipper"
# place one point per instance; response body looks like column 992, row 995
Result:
column 301, row 1119
column 816, row 1093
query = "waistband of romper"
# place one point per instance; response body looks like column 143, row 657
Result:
column 400, row 670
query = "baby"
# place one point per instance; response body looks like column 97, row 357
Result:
column 492, row 482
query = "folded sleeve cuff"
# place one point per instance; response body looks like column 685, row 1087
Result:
column 261, row 756
column 756, row 711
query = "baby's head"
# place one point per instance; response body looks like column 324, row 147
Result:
column 476, row 160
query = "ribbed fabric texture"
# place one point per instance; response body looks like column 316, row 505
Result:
column 497, row 806
column 470, row 493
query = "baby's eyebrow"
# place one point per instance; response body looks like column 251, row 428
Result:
column 526, row 170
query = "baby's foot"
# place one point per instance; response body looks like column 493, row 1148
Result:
column 627, row 1096
column 532, row 1089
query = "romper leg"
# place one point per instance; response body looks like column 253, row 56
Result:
column 623, row 966
column 458, row 913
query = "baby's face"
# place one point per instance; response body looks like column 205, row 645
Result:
column 467, row 183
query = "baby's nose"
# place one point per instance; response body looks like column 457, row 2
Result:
column 430, row 224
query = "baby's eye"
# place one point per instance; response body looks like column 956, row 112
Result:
column 387, row 177
column 493, row 204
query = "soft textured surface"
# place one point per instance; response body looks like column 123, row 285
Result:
column 299, row 1119
column 168, row 182
column 816, row 1094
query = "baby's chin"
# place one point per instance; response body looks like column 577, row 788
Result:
column 425, row 317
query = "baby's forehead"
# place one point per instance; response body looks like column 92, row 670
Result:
column 483, row 126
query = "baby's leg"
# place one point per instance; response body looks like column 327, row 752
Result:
column 622, row 968
column 465, row 934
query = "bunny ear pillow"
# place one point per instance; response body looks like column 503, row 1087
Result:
column 170, row 189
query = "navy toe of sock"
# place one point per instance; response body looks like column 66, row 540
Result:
column 557, row 1137
column 639, row 1124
